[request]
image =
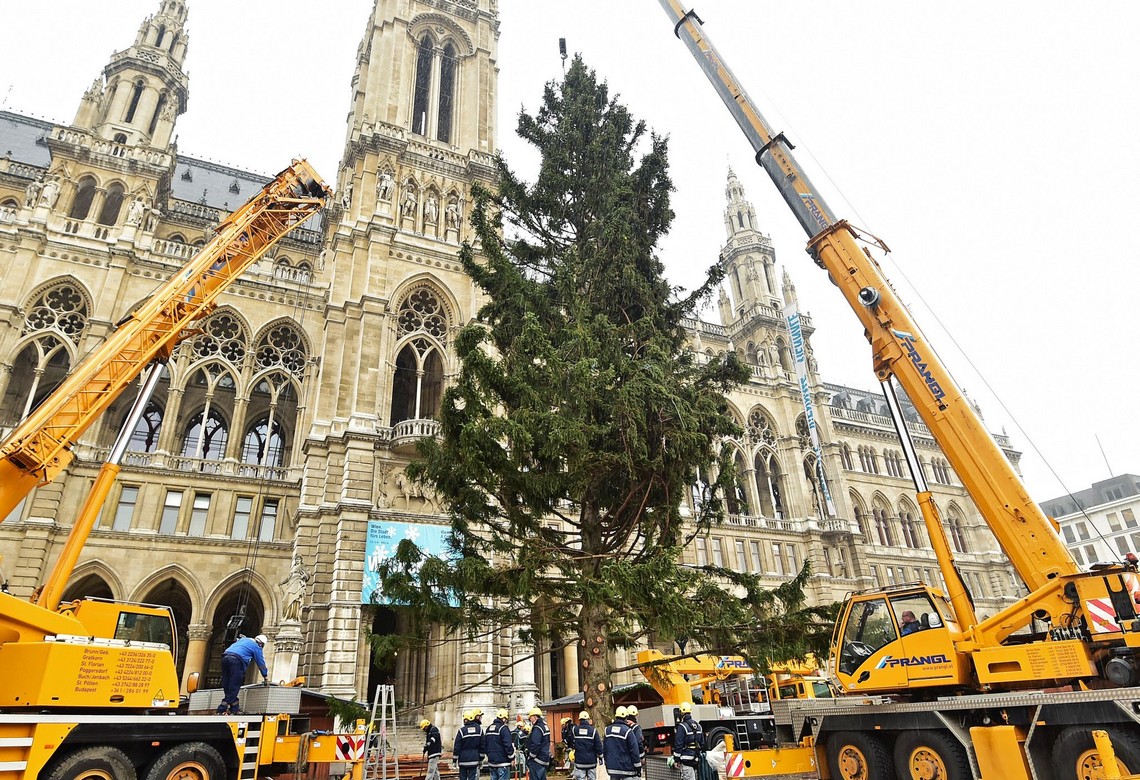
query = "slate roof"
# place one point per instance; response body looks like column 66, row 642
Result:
column 196, row 181
column 19, row 136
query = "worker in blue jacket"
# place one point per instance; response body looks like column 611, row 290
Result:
column 537, row 746
column 433, row 749
column 468, row 749
column 499, row 745
column 235, row 659
column 621, row 748
column 587, row 748
column 688, row 742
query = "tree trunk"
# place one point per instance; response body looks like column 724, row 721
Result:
column 594, row 663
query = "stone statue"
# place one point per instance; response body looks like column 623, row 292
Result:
column 452, row 215
column 136, row 211
column 346, row 195
column 431, row 209
column 295, row 585
column 409, row 207
column 32, row 193
column 50, row 193
column 384, row 186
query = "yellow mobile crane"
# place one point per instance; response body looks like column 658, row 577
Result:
column 88, row 689
column 1075, row 630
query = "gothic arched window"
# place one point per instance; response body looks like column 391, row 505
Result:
column 145, row 436
column 446, row 94
column 39, row 368
column 417, row 385
column 136, row 96
column 84, row 195
column 957, row 532
column 909, row 530
column 157, row 114
column 262, row 446
column 207, row 436
column 273, row 407
column 62, row 308
column 845, row 457
column 223, row 336
column 769, row 487
column 883, row 527
column 736, row 497
column 421, row 99
column 760, row 428
column 282, row 347
column 109, row 214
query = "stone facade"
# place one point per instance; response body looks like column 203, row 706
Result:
column 282, row 427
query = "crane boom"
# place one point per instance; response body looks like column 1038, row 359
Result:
column 40, row 447
column 899, row 349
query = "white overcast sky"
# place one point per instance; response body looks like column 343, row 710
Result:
column 993, row 146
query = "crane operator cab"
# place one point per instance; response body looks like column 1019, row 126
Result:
column 901, row 638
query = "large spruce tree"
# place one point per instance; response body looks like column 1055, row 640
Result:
column 579, row 421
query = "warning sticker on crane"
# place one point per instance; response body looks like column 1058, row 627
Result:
column 734, row 765
column 1102, row 616
column 349, row 747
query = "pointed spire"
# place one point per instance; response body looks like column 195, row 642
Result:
column 789, row 289
column 739, row 215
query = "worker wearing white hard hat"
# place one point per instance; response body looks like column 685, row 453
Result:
column 631, row 719
column 537, row 745
column 587, row 748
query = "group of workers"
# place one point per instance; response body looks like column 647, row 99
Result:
column 621, row 747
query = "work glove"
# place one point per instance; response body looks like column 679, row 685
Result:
column 265, row 681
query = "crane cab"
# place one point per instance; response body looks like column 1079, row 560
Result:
column 904, row 638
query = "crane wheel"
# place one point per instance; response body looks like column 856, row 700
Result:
column 852, row 755
column 93, row 763
column 716, row 736
column 930, row 755
column 189, row 761
column 1075, row 756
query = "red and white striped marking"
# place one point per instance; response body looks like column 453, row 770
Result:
column 349, row 747
column 734, row 765
column 1102, row 616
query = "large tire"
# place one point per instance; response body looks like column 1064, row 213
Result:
column 189, row 761
column 930, row 755
column 93, row 763
column 1075, row 756
column 852, row 755
column 715, row 736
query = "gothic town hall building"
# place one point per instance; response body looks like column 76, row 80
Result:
column 280, row 430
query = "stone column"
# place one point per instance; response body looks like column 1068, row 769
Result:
column 287, row 647
column 570, row 668
column 236, row 442
column 524, row 691
column 168, row 436
column 199, row 635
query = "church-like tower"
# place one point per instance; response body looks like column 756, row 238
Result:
column 748, row 258
column 143, row 88
column 420, row 133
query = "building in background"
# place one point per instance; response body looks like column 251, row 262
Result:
column 268, row 467
column 1099, row 524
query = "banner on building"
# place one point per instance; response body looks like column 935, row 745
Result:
column 383, row 539
column 799, row 355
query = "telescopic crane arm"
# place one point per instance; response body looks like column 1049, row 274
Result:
column 899, row 349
